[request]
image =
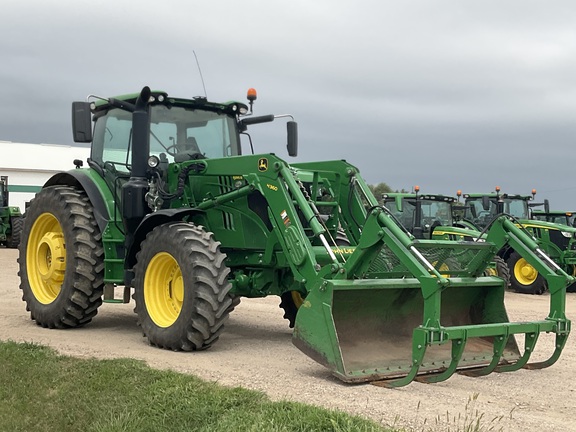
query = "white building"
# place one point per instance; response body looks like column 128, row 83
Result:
column 29, row 166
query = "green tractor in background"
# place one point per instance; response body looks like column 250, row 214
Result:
column 430, row 216
column 10, row 218
column 170, row 210
column 555, row 217
column 557, row 240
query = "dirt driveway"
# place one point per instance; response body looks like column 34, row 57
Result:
column 255, row 352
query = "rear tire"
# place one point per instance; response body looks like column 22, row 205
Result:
column 524, row 278
column 181, row 287
column 61, row 259
column 16, row 224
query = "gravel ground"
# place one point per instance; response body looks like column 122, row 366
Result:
column 256, row 352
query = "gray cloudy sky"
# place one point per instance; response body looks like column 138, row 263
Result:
column 444, row 94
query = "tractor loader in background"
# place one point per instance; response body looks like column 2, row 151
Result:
column 169, row 209
column 430, row 216
column 557, row 240
column 10, row 218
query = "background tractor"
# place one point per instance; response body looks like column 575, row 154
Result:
column 555, row 216
column 170, row 209
column 430, row 216
column 557, row 240
column 10, row 218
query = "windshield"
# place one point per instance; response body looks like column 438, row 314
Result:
column 562, row 219
column 437, row 213
column 176, row 133
column 477, row 213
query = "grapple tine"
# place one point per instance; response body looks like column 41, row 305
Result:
column 499, row 345
column 560, row 342
column 530, row 340
column 418, row 352
column 458, row 346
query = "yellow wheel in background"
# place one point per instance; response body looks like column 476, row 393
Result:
column 524, row 272
column 524, row 278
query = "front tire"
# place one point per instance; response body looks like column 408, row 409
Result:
column 61, row 259
column 500, row 270
column 524, row 278
column 181, row 287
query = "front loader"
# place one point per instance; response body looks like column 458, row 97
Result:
column 169, row 209
column 557, row 240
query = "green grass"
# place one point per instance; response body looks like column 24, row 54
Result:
column 40, row 390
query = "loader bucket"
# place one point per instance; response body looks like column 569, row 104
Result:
column 365, row 330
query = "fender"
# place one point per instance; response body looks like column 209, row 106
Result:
column 95, row 187
column 150, row 222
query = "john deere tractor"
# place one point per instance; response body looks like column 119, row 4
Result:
column 10, row 218
column 170, row 209
column 555, row 216
column 557, row 240
column 430, row 216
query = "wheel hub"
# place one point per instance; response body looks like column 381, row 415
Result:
column 163, row 289
column 525, row 273
column 46, row 258
column 51, row 258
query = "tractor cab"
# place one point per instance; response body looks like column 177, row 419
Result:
column 556, row 217
column 420, row 214
column 481, row 209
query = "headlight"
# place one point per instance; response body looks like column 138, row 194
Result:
column 153, row 161
column 566, row 234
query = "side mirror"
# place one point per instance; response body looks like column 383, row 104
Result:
column 486, row 203
column 81, row 122
column 292, row 145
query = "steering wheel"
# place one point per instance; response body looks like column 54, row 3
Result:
column 171, row 150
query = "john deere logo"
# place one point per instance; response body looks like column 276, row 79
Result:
column 263, row 164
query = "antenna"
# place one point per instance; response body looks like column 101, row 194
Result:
column 201, row 77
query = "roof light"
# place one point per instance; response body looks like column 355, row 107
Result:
column 497, row 188
column 417, row 188
column 459, row 193
column 252, row 96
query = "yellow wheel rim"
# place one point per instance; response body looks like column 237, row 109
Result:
column 491, row 272
column 163, row 289
column 524, row 272
column 46, row 258
column 444, row 268
column 297, row 299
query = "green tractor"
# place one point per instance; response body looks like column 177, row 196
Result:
column 171, row 210
column 555, row 217
column 430, row 216
column 10, row 218
column 557, row 240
